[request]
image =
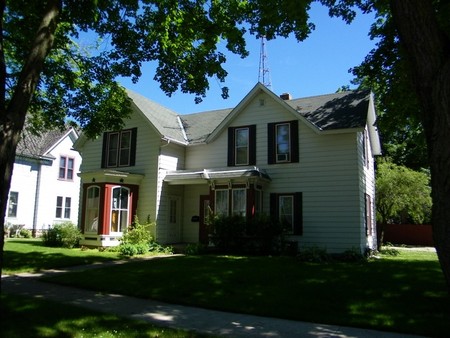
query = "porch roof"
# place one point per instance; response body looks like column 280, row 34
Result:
column 204, row 176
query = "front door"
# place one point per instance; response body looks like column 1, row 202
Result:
column 205, row 211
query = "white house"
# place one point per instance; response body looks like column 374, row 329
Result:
column 45, row 188
column 308, row 161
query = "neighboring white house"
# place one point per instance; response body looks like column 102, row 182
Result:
column 45, row 187
column 308, row 161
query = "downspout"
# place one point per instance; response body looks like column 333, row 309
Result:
column 36, row 198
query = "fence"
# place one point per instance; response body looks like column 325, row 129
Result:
column 408, row 234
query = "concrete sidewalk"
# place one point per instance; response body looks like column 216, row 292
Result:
column 177, row 316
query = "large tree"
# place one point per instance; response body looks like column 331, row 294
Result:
column 49, row 78
column 420, row 36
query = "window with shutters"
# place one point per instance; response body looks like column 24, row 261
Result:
column 242, row 145
column 288, row 209
column 283, row 142
column 119, row 148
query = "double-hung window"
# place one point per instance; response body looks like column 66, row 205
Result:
column 288, row 209
column 63, row 206
column 92, row 209
column 119, row 148
column 12, row 203
column 66, row 167
column 283, row 142
column 242, row 145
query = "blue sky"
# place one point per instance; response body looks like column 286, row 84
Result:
column 318, row 65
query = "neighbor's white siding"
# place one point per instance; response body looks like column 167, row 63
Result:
column 38, row 185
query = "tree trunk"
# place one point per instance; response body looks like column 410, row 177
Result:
column 428, row 51
column 12, row 117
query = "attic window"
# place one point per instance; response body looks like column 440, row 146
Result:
column 262, row 102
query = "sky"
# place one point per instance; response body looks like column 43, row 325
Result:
column 318, row 65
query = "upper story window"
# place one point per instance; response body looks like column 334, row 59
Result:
column 66, row 167
column 119, row 148
column 283, row 146
column 242, row 145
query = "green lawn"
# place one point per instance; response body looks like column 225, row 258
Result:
column 405, row 293
column 30, row 255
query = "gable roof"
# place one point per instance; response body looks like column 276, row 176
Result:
column 39, row 146
column 344, row 110
column 165, row 121
column 331, row 113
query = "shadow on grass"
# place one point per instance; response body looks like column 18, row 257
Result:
column 50, row 319
column 393, row 295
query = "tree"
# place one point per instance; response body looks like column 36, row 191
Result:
column 47, row 78
column 401, row 191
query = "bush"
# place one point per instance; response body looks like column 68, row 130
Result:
column 65, row 235
column 25, row 233
column 314, row 254
column 138, row 233
column 128, row 249
column 234, row 234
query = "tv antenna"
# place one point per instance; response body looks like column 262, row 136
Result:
column 264, row 74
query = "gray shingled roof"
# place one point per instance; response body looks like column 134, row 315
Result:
column 344, row 110
column 37, row 146
column 164, row 119
column 199, row 126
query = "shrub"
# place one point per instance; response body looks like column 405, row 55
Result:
column 158, row 248
column 65, row 235
column 25, row 233
column 138, row 233
column 195, row 249
column 128, row 249
column 314, row 254
column 234, row 234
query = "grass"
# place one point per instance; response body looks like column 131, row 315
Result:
column 21, row 317
column 401, row 293
column 404, row 293
column 30, row 255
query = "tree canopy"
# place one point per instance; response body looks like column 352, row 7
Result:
column 402, row 192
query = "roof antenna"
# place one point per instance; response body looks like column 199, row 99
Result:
column 264, row 75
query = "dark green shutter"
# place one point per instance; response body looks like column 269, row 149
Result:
column 271, row 143
column 230, row 161
column 252, row 145
column 104, row 150
column 294, row 142
column 133, row 146
column 298, row 213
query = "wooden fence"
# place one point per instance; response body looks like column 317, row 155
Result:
column 408, row 234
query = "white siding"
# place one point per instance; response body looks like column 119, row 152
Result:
column 327, row 174
column 29, row 175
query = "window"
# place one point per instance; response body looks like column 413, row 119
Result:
column 369, row 221
column 288, row 209
column 119, row 148
column 283, row 142
column 242, row 145
column 92, row 209
column 119, row 209
column 66, row 166
column 63, row 207
column 12, row 203
column 239, row 203
column 221, row 204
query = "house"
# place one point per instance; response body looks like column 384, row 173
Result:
column 308, row 161
column 45, row 188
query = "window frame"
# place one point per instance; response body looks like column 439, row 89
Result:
column 293, row 142
column 63, row 207
column 119, row 210
column 15, row 204
column 65, row 171
column 232, row 146
column 124, row 154
column 297, row 226
column 91, row 225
